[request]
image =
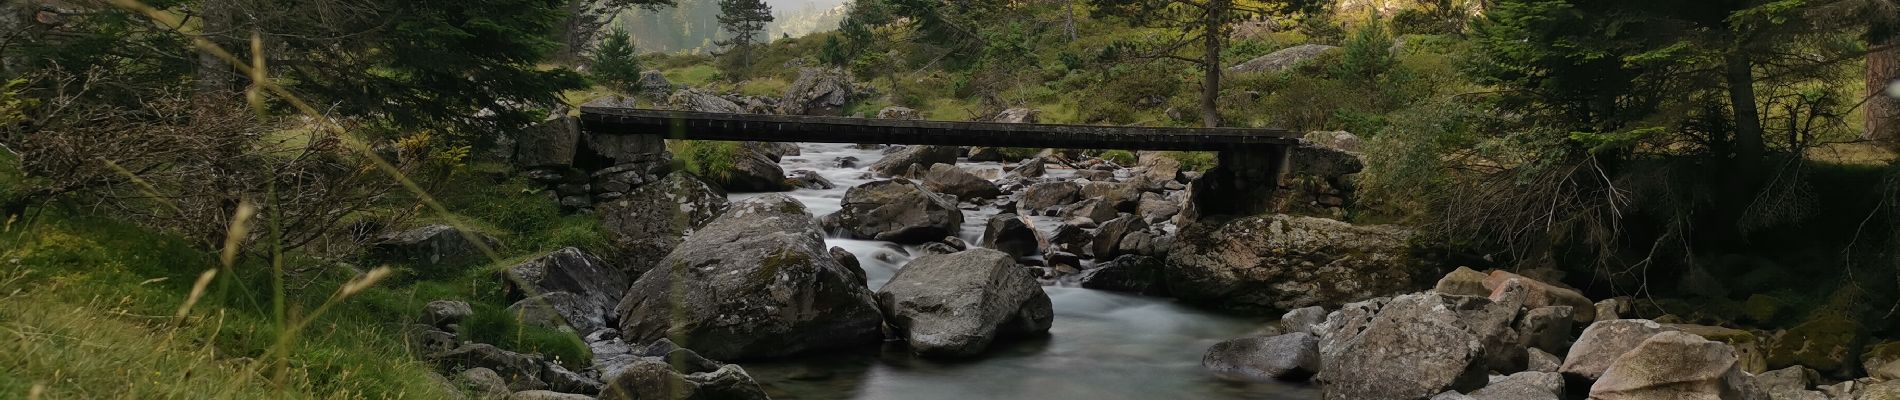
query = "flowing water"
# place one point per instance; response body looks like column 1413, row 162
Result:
column 1102, row 346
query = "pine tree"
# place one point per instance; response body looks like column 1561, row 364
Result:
column 615, row 62
column 744, row 20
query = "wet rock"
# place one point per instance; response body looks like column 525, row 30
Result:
column 1155, row 209
column 775, row 151
column 920, row 156
column 896, row 210
column 1108, row 238
column 902, row 113
column 1280, row 262
column 558, row 309
column 654, row 380
column 1096, row 175
column 651, row 220
column 988, row 154
column 442, row 313
column 845, row 162
column 1009, row 234
column 756, row 282
column 1676, row 365
column 1128, row 273
column 1283, row 59
column 954, row 305
column 849, row 262
column 1289, row 357
column 560, row 379
column 1603, row 342
column 1071, row 239
column 592, row 288
column 754, row 171
column 1413, row 346
column 1090, row 209
column 948, row 179
column 808, row 179
column 817, row 92
column 1041, row 198
column 433, row 249
column 1029, row 168
column 1523, row 386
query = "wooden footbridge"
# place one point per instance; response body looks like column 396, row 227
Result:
column 1251, row 159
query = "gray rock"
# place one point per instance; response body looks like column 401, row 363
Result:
column 1342, row 140
column 699, row 100
column 849, row 262
column 1523, row 386
column 591, row 288
column 817, row 92
column 442, row 313
column 1108, row 238
column 433, row 249
column 808, row 179
column 1009, row 234
column 1463, row 281
column 1071, row 238
column 954, row 305
column 560, row 379
column 655, row 380
column 1150, row 241
column 1676, row 365
column 520, row 371
column 1291, row 357
column 753, row 171
column 1306, row 320
column 1124, row 197
column 896, row 210
column 756, row 282
column 1155, row 209
column 603, row 148
column 1090, row 209
column 651, row 220
column 1028, row 168
column 1790, row 383
column 547, row 395
column 948, row 179
column 652, row 82
column 1040, row 198
column 1413, row 346
column 921, row 156
column 551, row 143
column 558, row 309
column 1540, row 361
column 901, row 113
column 1283, row 59
column 1541, row 294
column 1280, row 262
column 1546, row 328
column 1128, row 273
column 483, row 383
column 1018, row 115
column 1603, row 343
column 775, row 151
column 988, row 154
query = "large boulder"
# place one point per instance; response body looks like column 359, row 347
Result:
column 954, row 305
column 1291, row 357
column 1009, row 234
column 1792, row 383
column 1883, row 361
column 1413, row 346
column 1281, row 262
column 1042, row 198
column 1676, row 365
column 647, row 222
column 702, row 101
column 753, row 171
column 653, row 83
column 1603, row 342
column 582, row 289
column 948, row 179
column 433, row 249
column 1529, row 385
column 1543, row 294
column 896, row 210
column 550, row 143
column 817, row 91
column 1463, row 281
column 1283, row 59
column 756, row 282
column 921, row 156
column 1829, row 342
column 1108, row 238
column 1546, row 328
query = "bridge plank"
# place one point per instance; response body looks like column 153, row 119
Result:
column 794, row 128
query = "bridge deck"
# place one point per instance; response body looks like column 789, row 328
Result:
column 787, row 128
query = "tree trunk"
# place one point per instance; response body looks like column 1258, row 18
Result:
column 1883, row 110
column 216, row 79
column 1741, row 96
column 1215, row 29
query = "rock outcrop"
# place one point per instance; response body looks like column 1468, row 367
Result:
column 1676, row 365
column 817, row 92
column 433, row 249
column 1280, row 262
column 1283, row 59
column 581, row 289
column 1412, row 346
column 649, row 221
column 1603, row 342
column 954, row 305
column 756, row 282
column 920, row 156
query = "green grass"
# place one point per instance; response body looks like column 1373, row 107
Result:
column 708, row 159
column 692, row 75
column 763, row 87
column 495, row 325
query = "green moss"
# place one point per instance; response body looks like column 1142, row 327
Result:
column 712, row 160
column 1828, row 342
column 1195, row 160
column 1762, row 308
column 769, row 267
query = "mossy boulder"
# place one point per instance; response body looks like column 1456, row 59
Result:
column 1762, row 309
column 1883, row 361
column 1748, row 347
column 1829, row 342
